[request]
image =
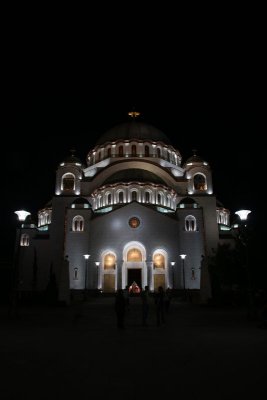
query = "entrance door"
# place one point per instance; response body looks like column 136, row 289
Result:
column 134, row 275
column 159, row 280
column 109, row 283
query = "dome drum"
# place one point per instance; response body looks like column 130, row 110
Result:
column 121, row 193
column 134, row 149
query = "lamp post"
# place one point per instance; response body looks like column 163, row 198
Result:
column 243, row 237
column 183, row 258
column 150, row 274
column 173, row 264
column 97, row 263
column 86, row 256
column 21, row 216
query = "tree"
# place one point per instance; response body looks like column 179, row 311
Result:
column 227, row 270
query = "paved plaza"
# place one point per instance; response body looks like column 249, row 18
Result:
column 77, row 352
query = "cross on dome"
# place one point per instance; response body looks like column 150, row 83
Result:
column 134, row 114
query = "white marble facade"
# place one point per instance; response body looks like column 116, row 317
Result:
column 133, row 208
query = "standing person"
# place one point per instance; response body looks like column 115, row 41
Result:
column 120, row 308
column 168, row 299
column 145, row 305
column 160, row 306
column 127, row 297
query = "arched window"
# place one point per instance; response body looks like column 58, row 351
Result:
column 158, row 260
column 24, row 240
column 133, row 150
column 109, row 261
column 147, row 197
column 159, row 197
column 200, row 182
column 121, row 197
column 46, row 219
column 109, row 198
column 190, row 223
column 158, row 152
column 78, row 224
column 68, row 182
column 134, row 195
column 75, row 276
column 120, row 151
column 147, row 151
column 109, row 152
column 134, row 255
column 99, row 200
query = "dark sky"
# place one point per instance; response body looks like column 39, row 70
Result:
column 224, row 130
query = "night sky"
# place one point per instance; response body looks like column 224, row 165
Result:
column 224, row 133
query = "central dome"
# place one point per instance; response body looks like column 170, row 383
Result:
column 133, row 130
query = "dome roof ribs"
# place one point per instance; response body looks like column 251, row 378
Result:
column 133, row 130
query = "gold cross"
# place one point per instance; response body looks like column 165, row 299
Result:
column 134, row 114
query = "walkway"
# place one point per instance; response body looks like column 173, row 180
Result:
column 78, row 353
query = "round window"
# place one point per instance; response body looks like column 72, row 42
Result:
column 134, row 222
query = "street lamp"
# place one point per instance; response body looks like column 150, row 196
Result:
column 243, row 237
column 173, row 264
column 97, row 263
column 243, row 214
column 21, row 215
column 86, row 256
column 183, row 258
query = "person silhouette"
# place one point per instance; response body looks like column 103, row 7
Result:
column 160, row 306
column 127, row 297
column 145, row 305
column 168, row 298
column 120, row 304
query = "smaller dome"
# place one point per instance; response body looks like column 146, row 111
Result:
column 188, row 200
column 194, row 159
column 30, row 222
column 80, row 203
column 72, row 159
column 80, row 200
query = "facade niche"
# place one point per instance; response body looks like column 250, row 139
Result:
column 200, row 182
column 158, row 261
column 68, row 182
column 109, row 261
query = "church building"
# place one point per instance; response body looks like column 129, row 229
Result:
column 133, row 214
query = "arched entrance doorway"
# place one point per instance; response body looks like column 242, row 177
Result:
column 134, row 272
column 134, row 269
